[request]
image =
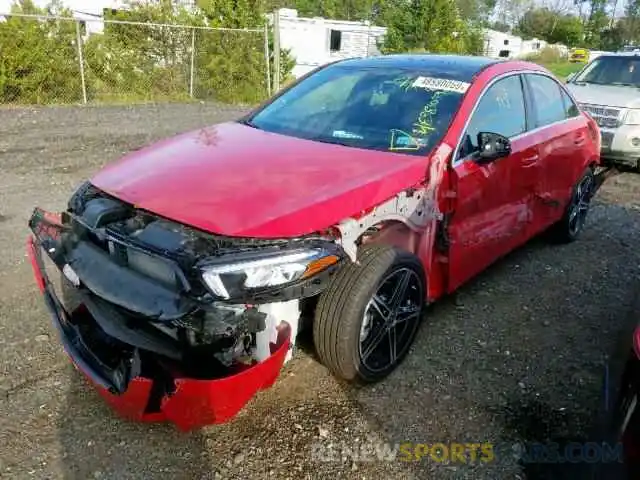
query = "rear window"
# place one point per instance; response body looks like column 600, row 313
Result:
column 549, row 106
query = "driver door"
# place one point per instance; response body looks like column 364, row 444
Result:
column 492, row 208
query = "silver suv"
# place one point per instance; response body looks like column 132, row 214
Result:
column 608, row 88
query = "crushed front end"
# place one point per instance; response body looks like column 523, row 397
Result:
column 172, row 323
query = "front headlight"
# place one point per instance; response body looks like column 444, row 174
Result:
column 227, row 280
column 632, row 117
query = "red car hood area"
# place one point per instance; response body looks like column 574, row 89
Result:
column 236, row 180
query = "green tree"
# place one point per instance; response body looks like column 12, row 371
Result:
column 356, row 10
column 629, row 27
column 141, row 62
column 596, row 23
column 476, row 10
column 537, row 23
column 148, row 62
column 612, row 39
column 551, row 26
column 151, row 62
column 38, row 59
column 510, row 12
column 428, row 25
column 500, row 27
column 232, row 65
column 568, row 31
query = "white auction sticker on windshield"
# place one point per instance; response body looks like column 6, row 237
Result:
column 343, row 134
column 431, row 83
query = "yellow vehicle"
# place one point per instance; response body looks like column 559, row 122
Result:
column 579, row 55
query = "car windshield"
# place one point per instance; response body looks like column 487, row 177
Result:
column 623, row 70
column 389, row 109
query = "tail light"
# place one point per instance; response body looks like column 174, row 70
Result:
column 636, row 342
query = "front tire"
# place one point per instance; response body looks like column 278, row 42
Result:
column 368, row 317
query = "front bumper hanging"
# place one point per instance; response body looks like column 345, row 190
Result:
column 134, row 390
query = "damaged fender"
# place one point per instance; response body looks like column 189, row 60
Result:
column 418, row 209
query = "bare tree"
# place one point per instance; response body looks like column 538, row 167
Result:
column 511, row 11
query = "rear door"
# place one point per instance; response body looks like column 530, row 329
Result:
column 492, row 206
column 563, row 136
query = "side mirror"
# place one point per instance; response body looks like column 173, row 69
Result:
column 492, row 146
column 570, row 77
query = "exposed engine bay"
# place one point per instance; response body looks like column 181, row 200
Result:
column 151, row 297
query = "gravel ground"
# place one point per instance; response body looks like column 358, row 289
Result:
column 517, row 355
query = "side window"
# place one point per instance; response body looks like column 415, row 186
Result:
column 500, row 110
column 548, row 104
column 570, row 108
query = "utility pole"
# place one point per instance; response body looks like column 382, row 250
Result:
column 276, row 51
column 81, row 62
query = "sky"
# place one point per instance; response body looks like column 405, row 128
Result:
column 89, row 6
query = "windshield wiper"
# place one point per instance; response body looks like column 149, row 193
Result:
column 356, row 143
column 332, row 141
column 248, row 123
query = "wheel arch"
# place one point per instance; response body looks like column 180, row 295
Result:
column 393, row 233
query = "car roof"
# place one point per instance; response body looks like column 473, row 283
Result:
column 455, row 67
column 634, row 53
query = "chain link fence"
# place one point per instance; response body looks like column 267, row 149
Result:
column 60, row 60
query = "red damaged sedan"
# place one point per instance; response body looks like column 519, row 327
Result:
column 364, row 191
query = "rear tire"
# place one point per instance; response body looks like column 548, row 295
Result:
column 569, row 227
column 368, row 317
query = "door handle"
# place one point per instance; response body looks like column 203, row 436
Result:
column 530, row 160
column 579, row 140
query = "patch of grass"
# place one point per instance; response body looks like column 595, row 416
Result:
column 552, row 59
column 562, row 69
